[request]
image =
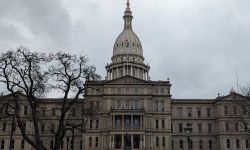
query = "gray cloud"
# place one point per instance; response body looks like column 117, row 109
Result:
column 198, row 44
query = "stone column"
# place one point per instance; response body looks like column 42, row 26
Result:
column 113, row 123
column 147, row 76
column 141, row 123
column 132, row 141
column 132, row 122
column 131, row 70
column 122, row 121
column 124, row 70
column 122, row 141
column 138, row 72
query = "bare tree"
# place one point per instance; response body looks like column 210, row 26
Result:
column 36, row 74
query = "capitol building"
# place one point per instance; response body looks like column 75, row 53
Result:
column 136, row 113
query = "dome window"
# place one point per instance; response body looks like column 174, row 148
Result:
column 133, row 58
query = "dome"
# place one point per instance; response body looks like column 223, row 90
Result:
column 127, row 59
column 127, row 43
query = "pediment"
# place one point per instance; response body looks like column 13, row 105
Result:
column 127, row 80
column 233, row 96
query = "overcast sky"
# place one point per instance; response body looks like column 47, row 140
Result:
column 198, row 44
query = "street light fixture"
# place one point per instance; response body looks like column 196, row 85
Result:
column 68, row 132
column 188, row 130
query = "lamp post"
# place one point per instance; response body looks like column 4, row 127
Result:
column 68, row 132
column 188, row 129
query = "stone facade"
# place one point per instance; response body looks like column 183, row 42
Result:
column 137, row 113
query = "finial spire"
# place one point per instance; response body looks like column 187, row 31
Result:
column 128, row 4
column 128, row 17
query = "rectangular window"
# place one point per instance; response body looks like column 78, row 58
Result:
column 2, row 144
column 244, row 110
column 118, row 141
column 25, row 111
column 22, row 144
column 237, row 143
column 179, row 111
column 199, row 127
column 96, row 141
column 210, row 144
column 4, row 126
column 180, row 127
column 43, row 113
column 228, row 143
column 97, row 124
column 127, row 122
column 12, row 144
column 245, row 127
column 209, row 127
column 53, row 112
column 127, row 104
column 208, row 112
column 190, row 144
column 119, row 104
column 156, row 124
column 81, row 145
column 136, row 104
column 62, row 143
column 52, row 128
column 90, row 124
column 156, row 106
column 181, row 144
column 172, row 143
column 157, row 142
column 247, row 143
column 235, row 110
column 225, row 111
column 162, row 106
column 42, row 128
column 136, row 121
column 118, row 120
column 189, row 112
column 199, row 112
column 227, row 126
column 236, row 127
column 163, row 124
column 90, row 141
column 51, row 144
column 163, row 142
column 200, row 144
